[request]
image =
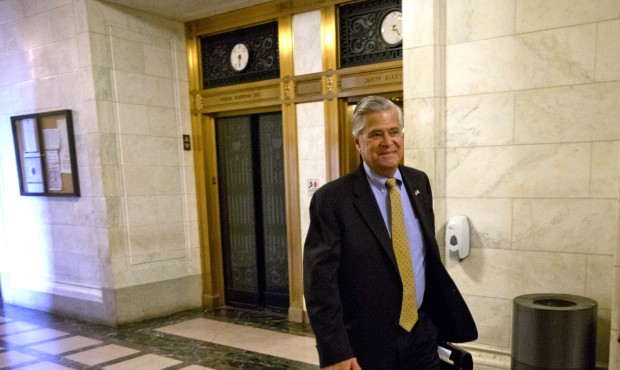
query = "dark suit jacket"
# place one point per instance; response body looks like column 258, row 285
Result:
column 351, row 282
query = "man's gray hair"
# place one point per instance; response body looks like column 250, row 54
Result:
column 372, row 104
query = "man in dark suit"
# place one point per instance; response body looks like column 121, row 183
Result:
column 353, row 289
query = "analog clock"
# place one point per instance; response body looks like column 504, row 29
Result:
column 392, row 27
column 239, row 57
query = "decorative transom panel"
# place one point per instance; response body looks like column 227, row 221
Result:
column 370, row 32
column 240, row 56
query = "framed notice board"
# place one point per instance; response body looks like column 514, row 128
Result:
column 45, row 153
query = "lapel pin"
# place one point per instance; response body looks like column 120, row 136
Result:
column 417, row 192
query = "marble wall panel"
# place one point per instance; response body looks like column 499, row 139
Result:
column 419, row 117
column 417, row 72
column 565, row 225
column 568, row 114
column 418, row 23
column 307, row 54
column 605, row 169
column 608, row 51
column 548, row 58
column 132, row 118
column 88, row 212
column 493, row 319
column 490, row 220
column 162, row 122
column 34, row 30
column 112, row 182
column 99, row 47
column 77, row 240
column 424, row 160
column 172, row 241
column 480, row 120
column 471, row 20
column 600, row 280
column 502, row 273
column 114, row 214
column 63, row 24
column 16, row 67
column 101, row 83
column 142, row 243
column 127, row 55
column 70, row 267
column 11, row 10
column 311, row 152
column 532, row 171
column 170, row 209
column 532, row 15
column 35, row 7
column 142, row 210
column 149, row 150
column 69, row 96
column 43, row 91
column 159, row 61
column 151, row 180
column 8, row 38
column 142, row 89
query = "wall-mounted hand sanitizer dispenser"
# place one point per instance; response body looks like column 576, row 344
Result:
column 457, row 236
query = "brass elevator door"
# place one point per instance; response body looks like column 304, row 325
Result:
column 252, row 211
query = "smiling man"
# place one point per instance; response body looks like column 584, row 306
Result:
column 377, row 295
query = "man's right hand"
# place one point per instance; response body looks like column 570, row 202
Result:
column 350, row 364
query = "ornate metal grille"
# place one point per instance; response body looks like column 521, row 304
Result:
column 360, row 33
column 263, row 64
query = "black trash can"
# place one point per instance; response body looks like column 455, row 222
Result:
column 553, row 331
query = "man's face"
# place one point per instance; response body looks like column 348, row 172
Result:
column 381, row 142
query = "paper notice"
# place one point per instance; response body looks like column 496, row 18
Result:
column 54, row 177
column 51, row 137
column 29, row 135
column 32, row 164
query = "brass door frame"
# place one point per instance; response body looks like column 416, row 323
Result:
column 332, row 86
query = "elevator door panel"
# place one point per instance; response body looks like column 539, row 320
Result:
column 253, row 215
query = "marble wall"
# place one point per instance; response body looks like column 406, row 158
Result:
column 307, row 58
column 134, row 229
column 513, row 111
column 49, row 246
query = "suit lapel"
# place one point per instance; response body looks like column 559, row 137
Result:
column 367, row 206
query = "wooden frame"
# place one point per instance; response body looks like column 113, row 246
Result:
column 45, row 154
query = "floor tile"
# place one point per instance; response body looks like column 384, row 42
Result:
column 220, row 339
column 12, row 358
column 201, row 329
column 66, row 345
column 101, row 354
column 146, row 362
column 15, row 327
column 292, row 347
column 33, row 336
column 44, row 366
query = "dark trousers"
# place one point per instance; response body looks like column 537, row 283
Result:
column 416, row 350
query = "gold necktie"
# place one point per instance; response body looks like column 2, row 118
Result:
column 400, row 243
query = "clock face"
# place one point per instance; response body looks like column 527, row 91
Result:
column 239, row 57
column 392, row 27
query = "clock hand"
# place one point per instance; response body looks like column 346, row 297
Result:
column 239, row 57
column 395, row 29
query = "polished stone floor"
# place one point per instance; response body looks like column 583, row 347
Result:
column 223, row 339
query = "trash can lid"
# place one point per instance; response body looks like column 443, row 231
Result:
column 555, row 301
